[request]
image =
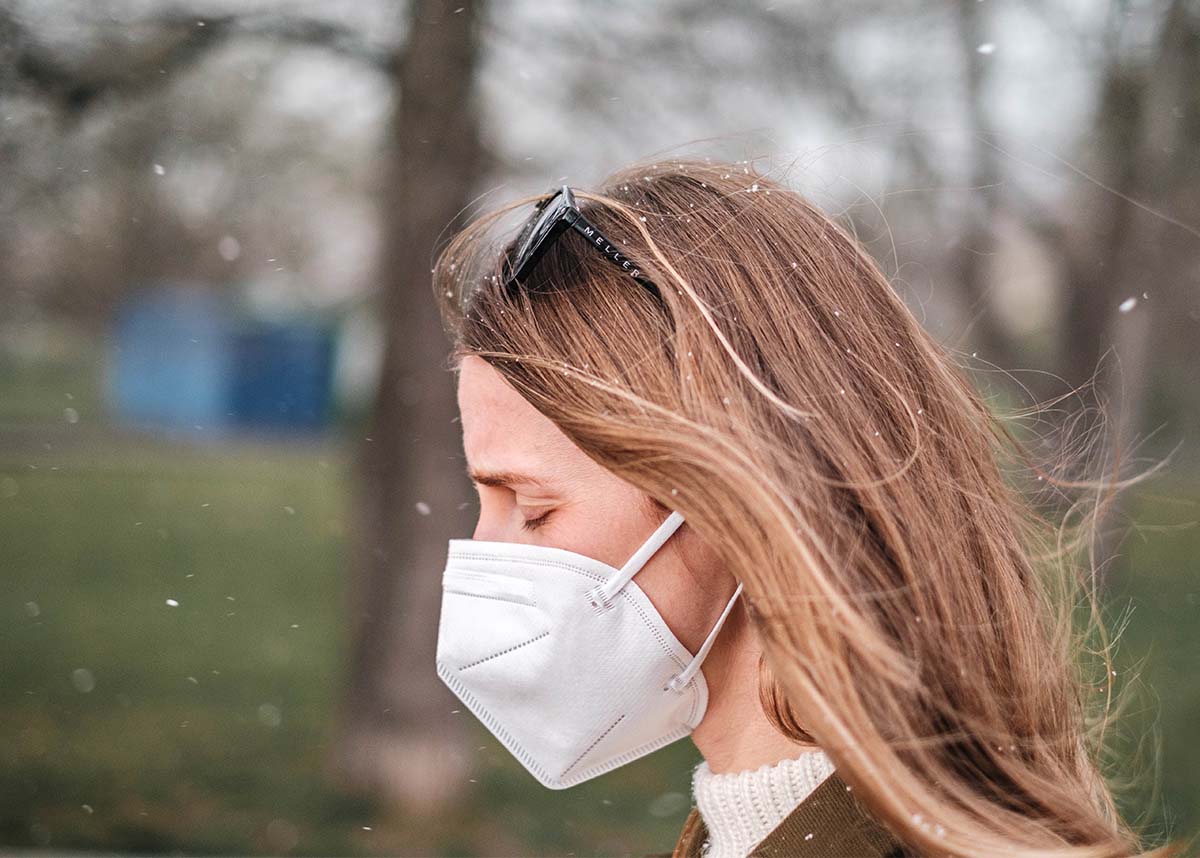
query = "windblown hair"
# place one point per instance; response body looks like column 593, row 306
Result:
column 914, row 607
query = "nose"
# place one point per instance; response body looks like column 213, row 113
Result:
column 489, row 525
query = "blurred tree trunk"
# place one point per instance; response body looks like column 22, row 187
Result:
column 1094, row 276
column 1135, row 242
column 972, row 257
column 1171, row 251
column 396, row 734
column 1162, row 250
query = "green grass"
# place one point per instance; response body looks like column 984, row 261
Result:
column 169, row 749
column 1157, row 581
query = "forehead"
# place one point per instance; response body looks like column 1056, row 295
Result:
column 501, row 431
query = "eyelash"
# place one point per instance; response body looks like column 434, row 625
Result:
column 535, row 523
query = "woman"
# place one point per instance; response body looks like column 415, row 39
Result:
column 705, row 430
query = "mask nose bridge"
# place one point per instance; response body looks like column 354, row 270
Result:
column 635, row 563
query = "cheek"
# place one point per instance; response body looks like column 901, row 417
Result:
column 675, row 595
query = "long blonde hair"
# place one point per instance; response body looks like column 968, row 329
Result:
column 914, row 608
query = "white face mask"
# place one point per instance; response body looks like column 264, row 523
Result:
column 564, row 658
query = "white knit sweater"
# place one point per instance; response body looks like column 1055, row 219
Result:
column 741, row 808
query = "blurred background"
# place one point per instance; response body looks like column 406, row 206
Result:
column 228, row 457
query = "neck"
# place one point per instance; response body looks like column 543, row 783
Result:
column 735, row 734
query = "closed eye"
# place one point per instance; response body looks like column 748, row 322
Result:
column 535, row 523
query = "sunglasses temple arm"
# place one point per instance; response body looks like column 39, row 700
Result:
column 589, row 231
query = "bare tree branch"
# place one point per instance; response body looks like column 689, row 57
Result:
column 115, row 67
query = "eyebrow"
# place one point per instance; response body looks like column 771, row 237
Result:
column 506, row 478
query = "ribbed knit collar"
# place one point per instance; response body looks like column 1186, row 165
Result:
column 741, row 808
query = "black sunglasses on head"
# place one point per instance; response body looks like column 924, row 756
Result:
column 552, row 217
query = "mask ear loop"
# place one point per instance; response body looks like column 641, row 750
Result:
column 680, row 680
column 635, row 563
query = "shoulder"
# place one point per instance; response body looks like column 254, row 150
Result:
column 830, row 822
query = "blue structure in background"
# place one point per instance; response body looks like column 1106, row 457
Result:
column 283, row 375
column 184, row 358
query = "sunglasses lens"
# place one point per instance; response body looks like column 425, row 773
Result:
column 535, row 232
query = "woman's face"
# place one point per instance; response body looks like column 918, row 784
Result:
column 536, row 486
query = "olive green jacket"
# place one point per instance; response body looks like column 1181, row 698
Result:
column 829, row 823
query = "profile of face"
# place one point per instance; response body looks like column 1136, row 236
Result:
column 536, row 486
